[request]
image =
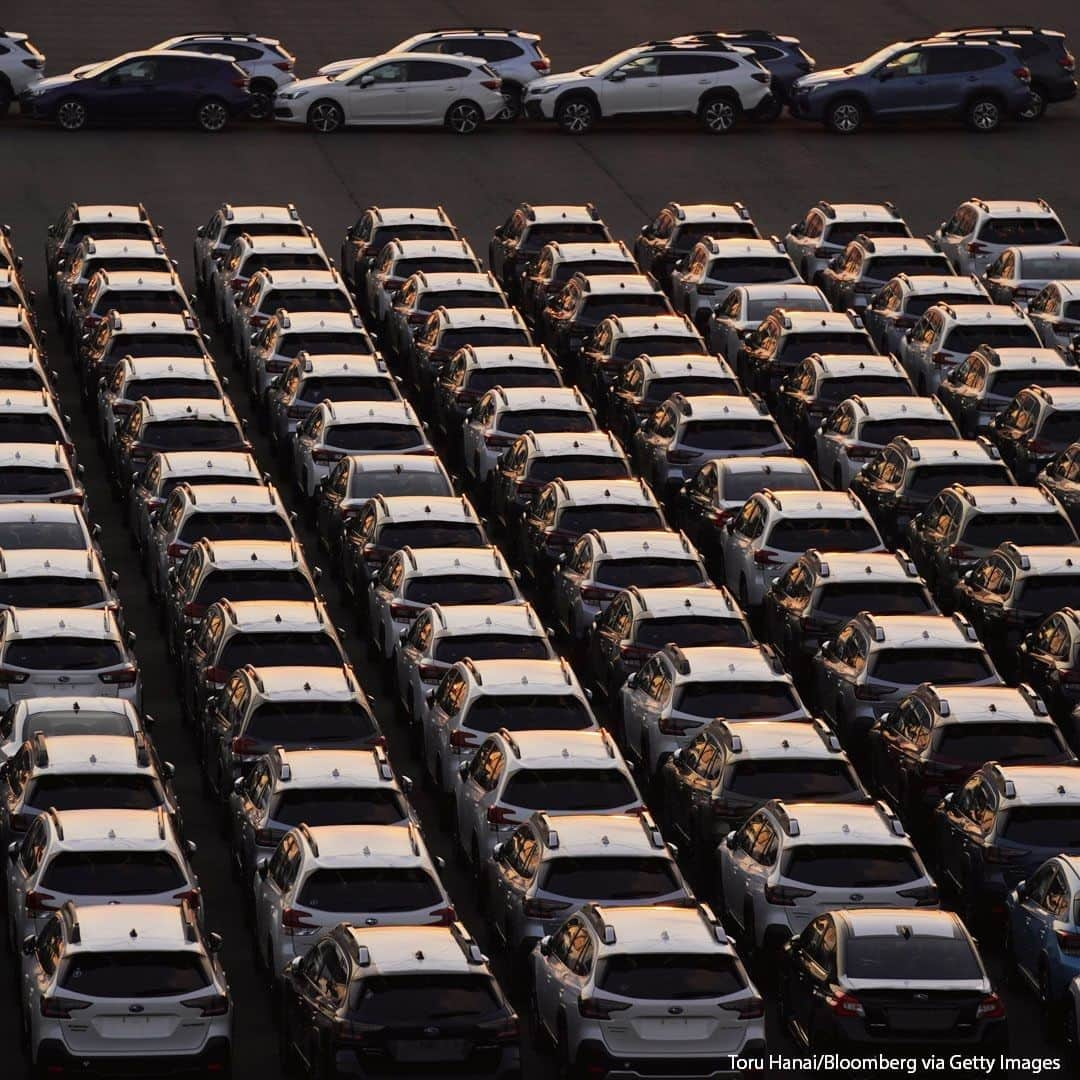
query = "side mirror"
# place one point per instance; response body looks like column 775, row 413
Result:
column 1021, row 889
column 238, row 785
column 293, row 966
column 406, row 784
column 262, row 867
column 545, row 945
column 129, row 636
column 429, row 697
column 168, row 770
column 440, row 863
column 191, row 847
column 948, row 798
column 500, row 231
column 617, row 76
column 28, row 944
column 497, row 851
column 114, row 580
column 729, row 840
column 463, row 770
column 13, row 850
column 367, row 80
column 200, row 232
column 149, row 721
column 316, row 573
column 213, row 942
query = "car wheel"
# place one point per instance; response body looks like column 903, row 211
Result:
column 325, row 117
column 770, row 113
column 212, row 116
column 512, row 96
column 464, row 117
column 983, row 115
column 718, row 115
column 262, row 100
column 845, row 116
column 1036, row 104
column 576, row 115
column 71, row 115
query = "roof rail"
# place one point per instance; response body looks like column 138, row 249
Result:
column 506, row 735
column 713, row 924
column 58, row 827
column 70, row 915
column 309, row 837
column 467, row 943
column 652, row 830
column 789, row 824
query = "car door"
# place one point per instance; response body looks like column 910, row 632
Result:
column 128, row 91
column 679, row 777
column 555, row 972
column 568, row 580
column 633, row 87
column 738, row 545
column 952, row 75
column 1031, row 915
column 635, row 696
column 887, row 743
column 806, row 972
column 961, row 829
column 685, row 77
column 903, row 84
column 379, row 95
column 735, row 867
column 178, row 84
column 473, row 790
column 433, row 86
column 270, row 887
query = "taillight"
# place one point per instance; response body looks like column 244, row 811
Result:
column 761, row 77
column 430, row 673
column 209, row 1005
column 194, row 610
column 844, row 1003
column 500, row 815
column 74, row 497
column 243, row 744
column 765, row 557
column 192, row 896
column 748, row 1008
column 10, row 678
column 61, row 1008
column 1003, row 856
column 177, row 549
column 124, row 676
column 408, row 612
column 241, row 82
column 1068, row 61
column 293, row 919
column 867, row 692
column 1068, row 942
column 283, row 65
column 219, row 676
column 444, row 916
column 461, row 740
column 596, row 594
column 861, row 452
column 975, row 248
column 923, row 895
column 682, row 457
column 628, row 650
column 595, row 1008
column 678, row 725
column 38, row 902
column 491, row 84
column 542, row 64
column 719, row 516
column 990, row 1008
column 326, row 456
column 373, row 553
column 493, row 438
column 1023, row 74
column 533, row 908
column 942, row 359
column 122, row 408
column 785, row 895
column 296, row 412
column 958, row 551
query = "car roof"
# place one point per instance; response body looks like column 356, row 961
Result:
column 399, row 463
column 685, row 364
column 643, row 325
column 19, row 356
column 333, row 768
column 1039, row 784
column 583, row 251
column 101, row 830
column 199, row 462
column 1068, row 286
column 272, row 616
column 259, row 212
column 601, row 835
column 766, row 466
column 1038, row 559
column 380, row 412
column 550, row 213
column 60, row 703
column 14, row 316
column 589, row 443
column 842, row 365
column 169, row 367
column 655, row 543
column 840, row 823
column 885, row 922
column 972, row 314
column 34, row 455
column 670, row 601
column 264, row 245
column 1012, row 358
column 126, row 928
column 920, row 631
column 73, row 753
column 779, row 739
column 522, row 676
column 720, row 407
column 251, row 554
column 734, row 247
column 442, row 247
column 893, row 245
column 111, row 248
column 624, row 492
column 530, row 397
column 27, row 401
column 41, row 511
column 767, row 290
column 1024, row 207
column 894, row 406
column 305, row 322
column 810, row 504
column 563, row 750
column 846, row 566
column 148, row 280
column 409, row 950
column 63, row 622
column 920, row 283
column 312, row 277
column 441, row 280
column 490, row 356
column 614, row 284
column 1061, row 397
column 470, row 317
column 727, row 662
column 853, row 211
column 479, row 561
column 111, row 212
column 305, row 683
column 425, row 508
column 222, row 498
column 363, row 365
column 156, row 409
column 992, row 497
column 342, row 846
column 801, row 322
column 945, row 451
column 46, row 562
column 156, row 322
column 982, row 704
column 405, row 215
column 487, row 619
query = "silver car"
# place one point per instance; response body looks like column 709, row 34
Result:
column 56, row 717
column 743, row 309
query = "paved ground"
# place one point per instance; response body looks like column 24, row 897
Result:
column 628, row 171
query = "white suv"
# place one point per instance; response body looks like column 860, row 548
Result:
column 21, row 65
column 981, row 229
column 697, row 76
column 829, row 227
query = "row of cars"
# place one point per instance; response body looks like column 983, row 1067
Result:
column 462, row 78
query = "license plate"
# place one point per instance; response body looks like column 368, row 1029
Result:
column 430, row 1050
column 134, row 1027
column 680, row 1027
column 921, row 1019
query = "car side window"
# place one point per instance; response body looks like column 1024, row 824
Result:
column 622, row 619
column 749, row 523
column 1038, row 884
column 982, row 807
column 279, row 862
column 50, row 944
column 33, row 846
column 563, row 941
column 766, row 845
column 523, row 853
column 710, row 761
column 746, row 837
column 1057, row 896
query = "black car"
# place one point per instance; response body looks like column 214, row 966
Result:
column 876, row 978
column 1049, row 659
column 143, row 88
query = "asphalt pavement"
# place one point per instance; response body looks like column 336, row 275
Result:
column 628, row 170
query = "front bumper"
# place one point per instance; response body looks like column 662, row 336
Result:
column 291, row 112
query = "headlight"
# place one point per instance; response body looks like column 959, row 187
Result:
column 292, row 95
column 539, row 91
column 819, row 86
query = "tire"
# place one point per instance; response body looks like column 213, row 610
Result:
column 325, row 117
column 212, row 116
column 71, row 115
column 576, row 115
column 262, row 100
column 718, row 115
column 512, row 95
column 845, row 116
column 983, row 115
column 464, row 117
column 1034, row 111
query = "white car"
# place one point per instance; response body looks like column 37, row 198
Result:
column 401, row 258
column 981, row 229
column 695, row 76
column 397, row 88
column 33, row 471
column 745, row 307
column 21, row 65
column 58, row 717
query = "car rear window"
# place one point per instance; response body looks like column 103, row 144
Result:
column 63, row 654
column 97, row 791
column 483, row 379
column 1043, row 269
column 752, row 270
column 294, row 300
column 742, row 434
column 807, row 779
column 1056, row 827
column 590, row 268
column 880, row 432
column 661, row 389
column 452, row 340
column 670, row 976
column 109, row 230
column 86, row 721
column 928, row 480
column 1060, row 428
column 739, row 699
column 1009, row 383
column 374, row 889
column 140, row 300
column 826, row 534
column 599, row 307
column 756, row 310
column 528, row 712
column 254, row 585
column 568, row 467
column 458, row 298
column 366, row 485
column 329, row 343
column 575, row 790
column 426, row 534
column 194, row 434
column 113, row 873
column 135, row 974
column 137, row 345
column 519, row 421
column 947, row 664
column 855, row 866
column 235, row 525
column 380, row 438
column 564, row 232
column 600, row 878
column 281, row 261
column 27, row 535
column 915, row 958
column 36, row 592
column 845, row 599
column 403, row 268
column 340, row 806
column 659, row 345
column 689, row 630
column 884, row 267
column 460, row 589
column 406, row 231
column 843, row 232
column 796, row 347
column 30, row 428
column 649, row 573
column 258, row 228
column 280, row 649
column 738, row 487
column 376, row 388
column 833, row 391
column 92, row 266
column 492, row 647
column 609, row 518
column 1043, row 595
column 1006, row 742
column 27, row 378
column 172, row 388
column 989, row 530
column 310, row 723
column 388, row 1000
column 965, row 339
column 1015, row 231
column 918, row 305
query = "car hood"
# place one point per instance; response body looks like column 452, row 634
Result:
column 58, row 82
column 819, row 77
column 313, row 82
column 548, row 81
column 336, row 67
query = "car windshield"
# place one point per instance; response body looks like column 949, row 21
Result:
column 375, row 437
column 235, row 525
column 483, row 379
column 928, row 480
column 661, row 389
column 751, row 270
column 22, row 378
column 568, row 467
column 1043, row 595
column 910, row 958
column 119, row 974
column 366, row 485
column 880, row 432
column 563, row 232
column 596, row 308
column 328, row 388
column 86, row 721
column 254, row 585
column 756, row 310
column 989, row 530
column 111, row 229
column 825, row 534
column 946, row 664
column 457, row 298
column 452, row 340
column 853, row 866
column 330, row 343
column 259, row 228
column 36, row 592
column 843, row 232
column 1006, row 742
column 794, row 780
column 1017, row 231
column 137, row 300
column 280, row 649
column 519, row 421
column 113, row 873
column 1060, row 428
column 92, row 266
column 460, row 589
column 172, row 388
column 599, row 877
column 310, row 723
column 340, row 806
column 833, row 391
column 845, row 599
column 405, row 230
column 741, row 434
column 796, row 347
column 591, row 267
column 739, row 699
column 294, row 300
column 193, row 434
column 63, row 654
column 431, row 264
column 569, row 789
column 528, row 712
column 739, row 486
column 197, row 479
column 428, row 534
column 137, row 345
column 666, row 976
column 689, row 630
column 27, row 535
column 1056, row 827
column 884, row 267
column 577, row 520
column 450, row 650
column 97, row 791
column 686, row 236
column 381, row 889
column 918, row 305
column 659, row 345
column 966, row 339
column 1008, row 384
column 396, row 1000
column 30, row 428
column 650, row 573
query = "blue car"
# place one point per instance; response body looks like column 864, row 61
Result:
column 1042, row 934
column 143, row 88
column 981, row 82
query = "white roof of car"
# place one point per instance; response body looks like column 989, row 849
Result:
column 142, row 280
column 27, row 401
column 605, row 492
column 264, row 245
column 651, row 543
column 35, row 705
column 847, row 566
column 169, row 367
column 19, row 356
column 614, row 284
column 811, row 504
column 362, row 365
column 200, row 462
column 399, row 463
column 963, row 451
column 476, row 562
column 1012, row 358
column 722, row 407
column 895, row 407
column 687, row 364
column 565, row 750
column 696, row 213
column 981, row 704
column 1060, row 559
column 441, row 280
column 425, row 508
column 780, row 739
column 658, row 929
column 566, row 398
column 584, row 251
column 920, row 631
column 643, row 325
column 272, row 616
column 670, row 601
column 1021, row 500
column 41, row 511
column 33, row 456
column 308, row 278
column 804, row 322
column 1063, row 397
column 894, row 245
column 333, row 768
column 157, row 409
column 587, row 443
column 404, row 215
column 551, row 212
column 841, row 365
column 468, row 317
column 971, row 314
column 767, row 466
column 711, row 662
column 307, row 322
column 307, row 683
column 105, row 830
column 223, row 498
column 156, row 322
column 377, row 412
column 252, row 554
column 498, row 619
column 1010, row 207
column 104, row 753
column 50, row 562
column 920, row 283
column 523, row 676
column 602, row 836
column 1056, row 784
column 840, row 823
column 888, row 922
column 126, row 928
column 109, row 212
column 393, row 950
column 435, row 247
column 342, row 846
column 63, row 622
column 855, row 211
column 518, row 356
column 127, row 246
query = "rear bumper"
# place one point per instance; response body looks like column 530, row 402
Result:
column 600, row 1061
column 764, row 106
column 484, row 1064
column 213, row 1059
column 1061, row 91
